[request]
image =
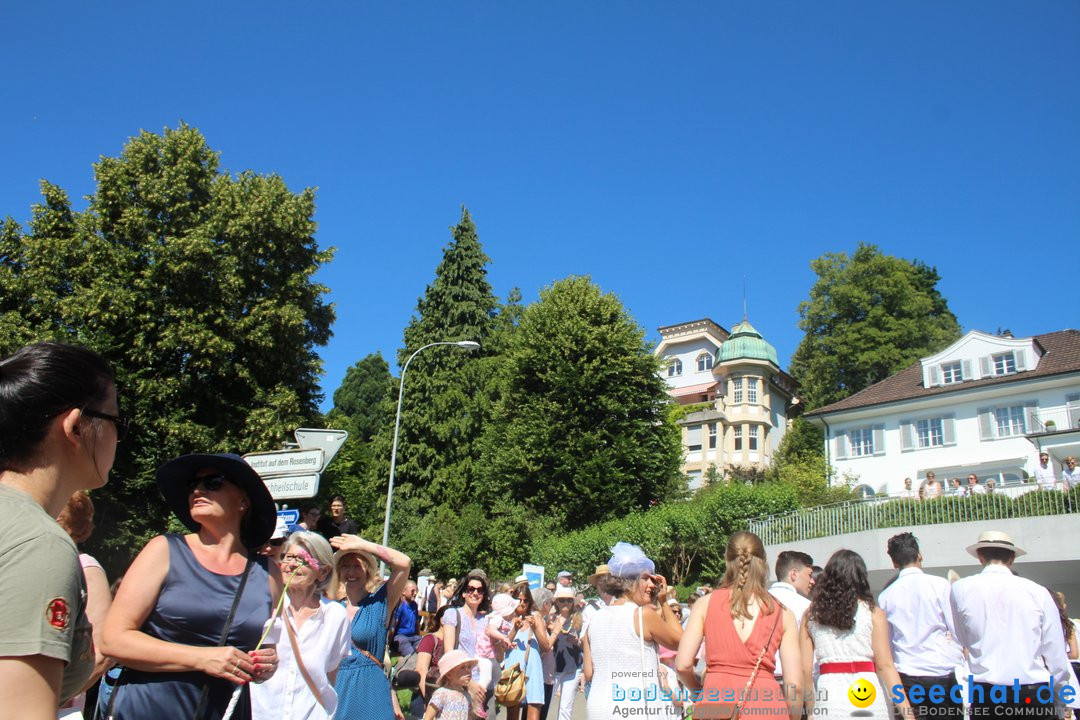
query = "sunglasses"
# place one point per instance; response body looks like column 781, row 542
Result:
column 277, row 543
column 210, row 483
column 122, row 423
column 473, row 590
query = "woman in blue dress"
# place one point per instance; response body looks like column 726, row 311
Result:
column 362, row 686
column 165, row 625
column 528, row 639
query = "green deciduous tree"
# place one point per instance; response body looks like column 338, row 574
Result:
column 581, row 432
column 197, row 286
column 869, row 315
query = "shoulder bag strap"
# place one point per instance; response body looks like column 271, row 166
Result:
column 761, row 655
column 201, row 707
column 300, row 661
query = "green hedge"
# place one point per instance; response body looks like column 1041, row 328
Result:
column 685, row 539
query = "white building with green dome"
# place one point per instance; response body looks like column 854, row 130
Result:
column 736, row 396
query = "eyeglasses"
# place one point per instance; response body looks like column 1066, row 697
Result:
column 210, row 483
column 122, row 423
column 473, row 590
column 293, row 560
column 277, row 542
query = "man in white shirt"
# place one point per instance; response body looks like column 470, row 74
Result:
column 1012, row 631
column 1070, row 475
column 1044, row 472
column 794, row 578
column 907, row 492
column 921, row 632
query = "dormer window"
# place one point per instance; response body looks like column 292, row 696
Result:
column 674, row 367
column 952, row 373
column 1004, row 363
column 704, row 362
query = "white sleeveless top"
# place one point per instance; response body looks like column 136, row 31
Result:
column 835, row 645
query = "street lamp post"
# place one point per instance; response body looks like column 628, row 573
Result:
column 464, row 345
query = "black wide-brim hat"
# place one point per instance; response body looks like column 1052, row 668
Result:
column 173, row 477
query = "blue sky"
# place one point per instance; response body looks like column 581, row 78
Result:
column 670, row 150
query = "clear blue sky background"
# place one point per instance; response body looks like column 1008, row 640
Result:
column 670, row 150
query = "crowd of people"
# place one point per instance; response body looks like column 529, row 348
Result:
column 1044, row 478
column 244, row 617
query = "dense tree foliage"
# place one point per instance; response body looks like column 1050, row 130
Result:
column 362, row 397
column 869, row 315
column 197, row 286
column 580, row 433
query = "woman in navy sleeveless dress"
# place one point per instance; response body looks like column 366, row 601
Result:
column 362, row 686
column 166, row 623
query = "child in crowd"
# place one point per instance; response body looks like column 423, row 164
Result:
column 451, row 700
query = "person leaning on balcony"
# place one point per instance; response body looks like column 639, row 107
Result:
column 1012, row 631
column 1070, row 475
column 973, row 486
column 907, row 492
column 933, row 486
column 1044, row 472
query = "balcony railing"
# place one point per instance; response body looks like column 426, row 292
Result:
column 1060, row 419
column 876, row 512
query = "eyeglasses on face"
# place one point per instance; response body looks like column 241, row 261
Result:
column 473, row 590
column 210, row 483
column 291, row 559
column 122, row 423
column 278, row 542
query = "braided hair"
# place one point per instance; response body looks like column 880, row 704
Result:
column 747, row 571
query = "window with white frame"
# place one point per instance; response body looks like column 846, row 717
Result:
column 704, row 362
column 952, row 373
column 1009, row 421
column 1004, row 422
column 674, row 367
column 925, row 433
column 736, row 391
column 752, row 440
column 862, row 442
column 712, row 436
column 1004, row 363
column 693, row 438
column 751, row 391
column 930, row 432
column 738, row 438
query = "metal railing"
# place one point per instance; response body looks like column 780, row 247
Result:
column 1061, row 419
column 876, row 512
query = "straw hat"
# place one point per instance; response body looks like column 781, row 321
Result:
column 995, row 539
column 601, row 570
column 564, row 592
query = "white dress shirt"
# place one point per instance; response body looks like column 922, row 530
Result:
column 920, row 624
column 1045, row 476
column 790, row 598
column 1011, row 628
column 1069, row 480
column 324, row 642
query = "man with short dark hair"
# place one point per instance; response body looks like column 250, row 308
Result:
column 1012, row 631
column 338, row 523
column 920, row 631
column 794, row 578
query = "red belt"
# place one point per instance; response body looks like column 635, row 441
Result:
column 846, row 667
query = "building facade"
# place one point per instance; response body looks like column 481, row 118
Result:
column 735, row 396
column 985, row 405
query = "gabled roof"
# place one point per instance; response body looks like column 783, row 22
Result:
column 1061, row 354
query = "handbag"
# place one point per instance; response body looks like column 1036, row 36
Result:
column 510, row 689
column 731, row 711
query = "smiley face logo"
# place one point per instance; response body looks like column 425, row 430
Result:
column 861, row 693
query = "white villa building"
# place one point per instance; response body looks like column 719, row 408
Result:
column 985, row 405
column 736, row 393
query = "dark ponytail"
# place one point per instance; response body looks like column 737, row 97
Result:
column 38, row 383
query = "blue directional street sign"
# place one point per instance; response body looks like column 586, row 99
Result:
column 290, row 516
